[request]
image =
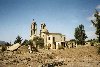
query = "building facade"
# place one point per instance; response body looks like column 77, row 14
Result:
column 51, row 40
column 55, row 40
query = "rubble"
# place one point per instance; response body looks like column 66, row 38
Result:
column 13, row 47
column 83, row 56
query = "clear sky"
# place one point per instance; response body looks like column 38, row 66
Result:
column 61, row 16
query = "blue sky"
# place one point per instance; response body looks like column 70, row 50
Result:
column 61, row 16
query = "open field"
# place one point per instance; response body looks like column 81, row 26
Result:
column 83, row 56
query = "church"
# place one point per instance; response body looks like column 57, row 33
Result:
column 51, row 40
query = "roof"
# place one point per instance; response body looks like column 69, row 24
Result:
column 54, row 33
column 14, row 47
column 34, row 23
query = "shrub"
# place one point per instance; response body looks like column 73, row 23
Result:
column 99, row 50
column 4, row 48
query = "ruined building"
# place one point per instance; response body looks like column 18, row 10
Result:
column 51, row 40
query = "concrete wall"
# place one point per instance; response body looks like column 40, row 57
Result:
column 58, row 39
column 63, row 38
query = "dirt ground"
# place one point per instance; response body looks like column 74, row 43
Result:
column 83, row 56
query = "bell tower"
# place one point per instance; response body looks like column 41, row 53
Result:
column 43, row 33
column 43, row 30
column 33, row 28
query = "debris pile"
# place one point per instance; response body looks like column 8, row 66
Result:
column 73, row 57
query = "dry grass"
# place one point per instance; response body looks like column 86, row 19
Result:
column 84, row 56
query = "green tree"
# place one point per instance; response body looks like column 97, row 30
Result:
column 30, row 42
column 39, row 42
column 96, row 23
column 92, row 41
column 18, row 40
column 80, row 35
column 7, row 44
column 33, row 48
column 25, row 42
column 4, row 48
column 73, row 40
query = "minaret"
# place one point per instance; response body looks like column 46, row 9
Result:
column 33, row 28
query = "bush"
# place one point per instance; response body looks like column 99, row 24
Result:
column 25, row 42
column 8, row 44
column 4, row 48
column 99, row 49
column 33, row 48
column 39, row 42
column 61, row 47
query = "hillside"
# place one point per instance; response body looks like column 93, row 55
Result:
column 83, row 56
column 2, row 42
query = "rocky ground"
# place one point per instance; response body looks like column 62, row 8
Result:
column 83, row 56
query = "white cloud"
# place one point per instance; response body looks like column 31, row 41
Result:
column 98, row 7
column 91, row 17
column 91, row 26
column 91, row 34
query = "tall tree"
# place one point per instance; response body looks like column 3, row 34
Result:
column 32, row 47
column 39, row 42
column 18, row 39
column 25, row 42
column 80, row 35
column 96, row 23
